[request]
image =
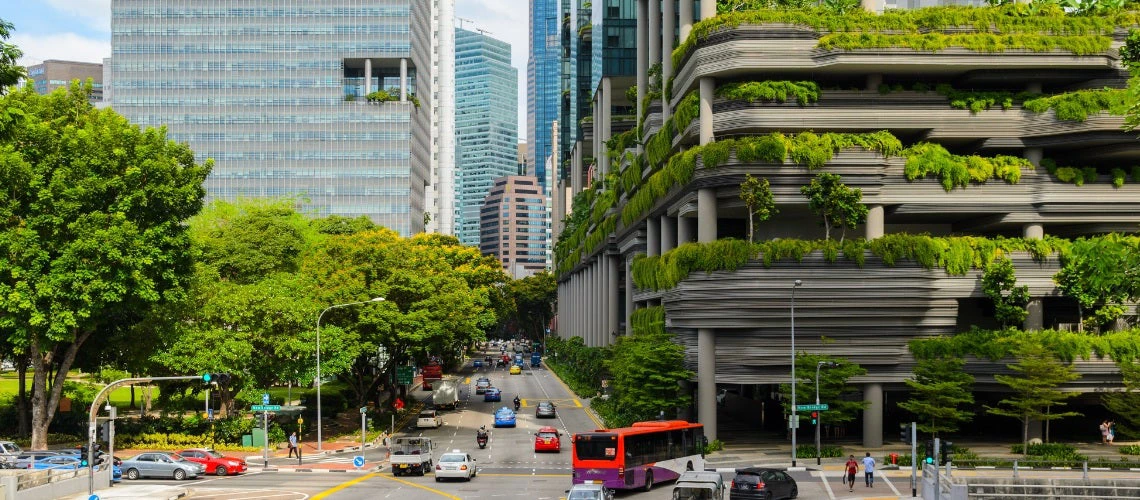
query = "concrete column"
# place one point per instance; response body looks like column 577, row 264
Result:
column 607, row 124
column 873, row 415
column 613, row 286
column 668, row 233
column 642, row 52
column 628, row 295
column 708, row 10
column 403, row 79
column 873, row 81
column 1035, row 320
column 685, row 20
column 706, row 380
column 576, row 170
column 685, row 230
column 875, row 222
column 708, row 88
column 597, row 313
column 652, row 236
column 668, row 27
column 597, row 145
column 1035, row 430
column 655, row 31
column 1033, row 231
column 706, row 215
column 1034, row 155
column 367, row 76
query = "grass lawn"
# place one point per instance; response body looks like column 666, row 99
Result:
column 121, row 397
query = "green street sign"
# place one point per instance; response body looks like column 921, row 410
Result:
column 822, row 407
column 404, row 375
column 265, row 408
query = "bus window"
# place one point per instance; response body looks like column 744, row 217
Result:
column 596, row 448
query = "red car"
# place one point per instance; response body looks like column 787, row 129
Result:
column 548, row 439
column 215, row 462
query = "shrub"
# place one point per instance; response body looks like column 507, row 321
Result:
column 1131, row 449
column 715, row 445
column 825, row 451
column 805, row 92
column 929, row 159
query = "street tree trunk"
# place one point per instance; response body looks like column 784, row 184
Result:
column 45, row 402
column 22, row 427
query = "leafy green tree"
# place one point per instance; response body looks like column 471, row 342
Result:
column 757, row 196
column 839, row 205
column 842, row 398
column 10, row 70
column 534, row 298
column 93, row 215
column 999, row 283
column 1035, row 388
column 647, row 369
column 335, row 224
column 939, row 390
column 1102, row 274
column 1126, row 404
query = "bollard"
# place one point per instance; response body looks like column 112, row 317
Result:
column 1085, row 466
column 1015, row 469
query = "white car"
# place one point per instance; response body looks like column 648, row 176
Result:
column 429, row 418
column 455, row 464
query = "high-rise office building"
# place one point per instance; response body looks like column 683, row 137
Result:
column 333, row 103
column 440, row 203
column 486, row 124
column 513, row 225
column 543, row 85
column 54, row 74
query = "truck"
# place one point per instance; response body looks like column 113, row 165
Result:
column 446, row 394
column 411, row 456
column 699, row 485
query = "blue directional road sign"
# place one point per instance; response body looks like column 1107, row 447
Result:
column 358, row 461
column 265, row 398
column 93, row 497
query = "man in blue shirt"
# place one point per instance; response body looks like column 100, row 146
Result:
column 869, row 470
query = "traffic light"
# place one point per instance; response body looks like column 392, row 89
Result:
column 221, row 379
column 929, row 451
column 947, row 452
column 904, row 433
column 815, row 418
column 102, row 432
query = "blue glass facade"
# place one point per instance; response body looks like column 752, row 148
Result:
column 275, row 95
column 543, row 85
column 614, row 39
column 486, row 125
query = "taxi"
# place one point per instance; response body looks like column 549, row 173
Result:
column 505, row 417
column 516, row 370
column 548, row 439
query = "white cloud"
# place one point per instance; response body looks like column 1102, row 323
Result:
column 94, row 13
column 66, row 46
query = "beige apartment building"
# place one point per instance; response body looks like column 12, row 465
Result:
column 513, row 225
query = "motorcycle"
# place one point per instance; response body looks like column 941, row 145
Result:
column 517, row 406
column 482, row 440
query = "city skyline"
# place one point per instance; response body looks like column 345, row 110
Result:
column 80, row 30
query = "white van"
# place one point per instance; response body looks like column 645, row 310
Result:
column 699, row 485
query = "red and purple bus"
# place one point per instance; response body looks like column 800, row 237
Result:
column 639, row 455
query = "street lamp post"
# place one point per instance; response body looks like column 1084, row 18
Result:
column 819, row 421
column 320, row 438
column 794, row 421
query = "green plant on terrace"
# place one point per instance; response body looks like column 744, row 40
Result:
column 1073, row 175
column 1077, row 106
column 929, row 159
column 805, row 92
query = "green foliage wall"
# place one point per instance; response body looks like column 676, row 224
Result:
column 932, row 160
column 993, row 345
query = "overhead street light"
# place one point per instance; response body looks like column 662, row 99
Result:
column 320, row 437
column 794, row 420
column 818, row 365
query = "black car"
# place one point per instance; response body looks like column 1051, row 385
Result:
column 765, row 484
column 545, row 409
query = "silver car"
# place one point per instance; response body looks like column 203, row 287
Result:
column 161, row 464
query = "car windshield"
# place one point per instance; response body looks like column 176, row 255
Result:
column 505, row 413
column 453, row 458
column 547, row 435
column 214, row 454
column 584, row 495
column 427, row 414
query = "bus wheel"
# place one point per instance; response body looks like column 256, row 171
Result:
column 648, row 480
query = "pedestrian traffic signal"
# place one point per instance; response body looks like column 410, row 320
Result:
column 220, row 379
column 904, row 433
column 929, row 451
column 947, row 452
column 815, row 418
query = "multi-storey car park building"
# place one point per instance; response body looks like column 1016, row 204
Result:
column 277, row 94
column 898, row 113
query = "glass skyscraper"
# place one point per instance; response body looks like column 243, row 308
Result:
column 277, row 94
column 543, row 87
column 486, row 124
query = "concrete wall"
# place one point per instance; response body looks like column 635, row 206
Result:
column 40, row 485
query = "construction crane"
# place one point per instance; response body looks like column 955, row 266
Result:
column 483, row 32
column 461, row 20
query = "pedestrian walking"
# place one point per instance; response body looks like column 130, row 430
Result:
column 852, row 469
column 1104, row 432
column 1111, row 431
column 293, row 448
column 869, row 470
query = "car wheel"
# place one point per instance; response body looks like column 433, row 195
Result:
column 649, row 480
column 132, row 474
column 221, row 470
column 768, row 496
column 179, row 474
column 438, row 479
column 795, row 492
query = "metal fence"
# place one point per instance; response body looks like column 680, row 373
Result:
column 940, row 484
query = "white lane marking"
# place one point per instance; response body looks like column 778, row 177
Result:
column 826, row 484
column 888, row 481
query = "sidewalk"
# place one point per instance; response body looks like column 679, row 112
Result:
column 139, row 492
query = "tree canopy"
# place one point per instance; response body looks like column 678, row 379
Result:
column 839, row 205
column 10, row 70
column 91, row 227
column 939, row 390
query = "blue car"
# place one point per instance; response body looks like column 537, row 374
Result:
column 504, row 417
column 57, row 462
column 492, row 394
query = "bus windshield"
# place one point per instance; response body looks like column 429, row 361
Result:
column 596, row 447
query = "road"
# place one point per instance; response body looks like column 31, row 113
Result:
column 508, row 468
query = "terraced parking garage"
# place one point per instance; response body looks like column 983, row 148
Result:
column 972, row 134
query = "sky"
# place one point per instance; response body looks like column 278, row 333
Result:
column 80, row 30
